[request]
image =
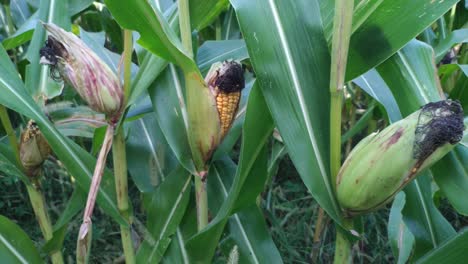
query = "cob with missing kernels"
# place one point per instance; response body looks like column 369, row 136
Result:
column 226, row 80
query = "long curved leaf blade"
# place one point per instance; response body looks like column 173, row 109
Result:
column 422, row 217
column 171, row 113
column 230, row 29
column 148, row 158
column 177, row 253
column 151, row 65
column 23, row 34
column 155, row 33
column 375, row 86
column 292, row 68
column 75, row 204
column 382, row 27
column 204, row 12
column 455, row 37
column 388, row 28
column 166, row 208
column 19, row 12
column 15, row 245
column 411, row 76
column 362, row 10
column 451, row 175
column 38, row 83
column 78, row 162
column 215, row 51
column 247, row 227
column 8, row 164
column 250, row 232
column 452, row 251
column 401, row 239
column 74, row 121
column 76, row 6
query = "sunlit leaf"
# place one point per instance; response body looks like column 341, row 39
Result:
column 155, row 33
column 381, row 28
column 292, row 68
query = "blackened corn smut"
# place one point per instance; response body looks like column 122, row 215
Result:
column 231, row 79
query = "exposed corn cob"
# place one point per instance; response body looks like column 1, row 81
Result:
column 227, row 104
column 226, row 81
column 34, row 149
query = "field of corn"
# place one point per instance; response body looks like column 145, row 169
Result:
column 233, row 131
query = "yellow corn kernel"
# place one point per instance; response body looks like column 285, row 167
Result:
column 226, row 80
column 227, row 104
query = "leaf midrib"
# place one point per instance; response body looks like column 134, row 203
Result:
column 302, row 104
column 12, row 249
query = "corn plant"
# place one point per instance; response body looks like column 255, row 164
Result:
column 200, row 102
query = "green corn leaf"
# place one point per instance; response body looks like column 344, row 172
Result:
column 381, row 28
column 167, row 206
column 452, row 251
column 401, row 239
column 292, row 68
column 38, row 82
column 15, row 245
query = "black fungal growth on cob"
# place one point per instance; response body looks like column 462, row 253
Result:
column 226, row 81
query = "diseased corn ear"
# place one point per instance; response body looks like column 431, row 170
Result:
column 34, row 149
column 383, row 163
column 78, row 65
column 226, row 80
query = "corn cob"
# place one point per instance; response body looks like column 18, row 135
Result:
column 34, row 149
column 383, row 163
column 227, row 104
column 226, row 81
column 71, row 60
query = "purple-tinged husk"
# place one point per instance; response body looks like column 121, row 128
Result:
column 385, row 162
column 78, row 65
